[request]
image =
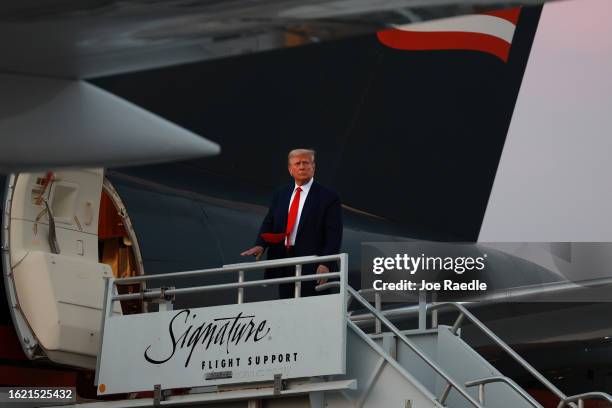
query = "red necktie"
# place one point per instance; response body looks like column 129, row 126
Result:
column 293, row 212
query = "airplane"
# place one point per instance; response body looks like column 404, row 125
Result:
column 141, row 220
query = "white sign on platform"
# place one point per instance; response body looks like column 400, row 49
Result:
column 224, row 344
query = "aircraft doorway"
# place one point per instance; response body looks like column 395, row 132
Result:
column 63, row 232
column 118, row 245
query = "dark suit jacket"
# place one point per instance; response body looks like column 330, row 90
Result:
column 319, row 231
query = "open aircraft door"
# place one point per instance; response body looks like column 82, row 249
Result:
column 53, row 274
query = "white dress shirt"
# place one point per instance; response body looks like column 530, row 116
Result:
column 305, row 189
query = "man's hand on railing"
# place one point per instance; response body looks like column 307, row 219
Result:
column 257, row 250
column 322, row 269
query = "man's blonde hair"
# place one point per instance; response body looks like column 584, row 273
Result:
column 299, row 152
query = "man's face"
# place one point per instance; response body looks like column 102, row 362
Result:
column 301, row 168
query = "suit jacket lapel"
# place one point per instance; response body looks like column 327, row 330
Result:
column 310, row 199
column 284, row 206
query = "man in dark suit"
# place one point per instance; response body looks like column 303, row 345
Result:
column 304, row 218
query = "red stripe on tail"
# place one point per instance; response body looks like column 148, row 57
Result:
column 419, row 41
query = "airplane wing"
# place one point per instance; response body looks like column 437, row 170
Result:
column 92, row 38
column 50, row 118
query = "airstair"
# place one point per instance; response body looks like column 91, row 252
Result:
column 300, row 352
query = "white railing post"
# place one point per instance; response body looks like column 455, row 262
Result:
column 378, row 306
column 298, row 284
column 434, row 314
column 422, row 310
column 240, row 290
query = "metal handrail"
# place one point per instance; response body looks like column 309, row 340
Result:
column 449, row 380
column 239, row 268
column 465, row 313
column 154, row 294
column 395, row 313
column 381, row 319
column 511, row 294
column 580, row 398
column 497, row 379
column 274, row 263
